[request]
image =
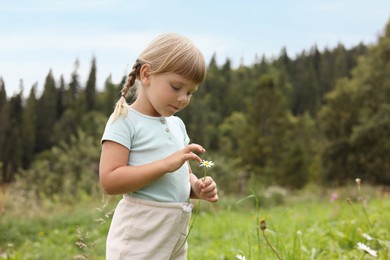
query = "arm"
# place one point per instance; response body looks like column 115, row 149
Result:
column 116, row 177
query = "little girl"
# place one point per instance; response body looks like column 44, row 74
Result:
column 145, row 154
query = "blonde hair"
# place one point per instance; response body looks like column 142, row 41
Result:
column 168, row 53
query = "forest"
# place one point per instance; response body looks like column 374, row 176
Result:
column 321, row 117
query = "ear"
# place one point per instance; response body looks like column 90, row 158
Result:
column 144, row 75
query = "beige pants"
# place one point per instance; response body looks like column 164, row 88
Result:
column 143, row 229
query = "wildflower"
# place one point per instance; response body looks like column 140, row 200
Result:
column 358, row 180
column 240, row 257
column 366, row 249
column 207, row 164
column 334, row 196
column 367, row 236
column 263, row 225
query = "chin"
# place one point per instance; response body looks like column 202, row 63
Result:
column 170, row 114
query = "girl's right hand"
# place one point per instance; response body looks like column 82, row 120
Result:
column 177, row 159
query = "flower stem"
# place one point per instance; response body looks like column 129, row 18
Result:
column 270, row 246
column 193, row 220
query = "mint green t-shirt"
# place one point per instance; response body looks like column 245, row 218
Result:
column 149, row 139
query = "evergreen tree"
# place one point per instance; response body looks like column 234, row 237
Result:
column 29, row 122
column 90, row 90
column 284, row 61
column 227, row 91
column 110, row 96
column 62, row 101
column 266, row 133
column 74, row 86
column 341, row 62
column 11, row 143
column 5, row 125
column 283, row 65
column 47, row 114
column 305, row 94
column 75, row 109
column 3, row 94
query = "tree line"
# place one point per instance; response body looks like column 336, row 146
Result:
column 323, row 116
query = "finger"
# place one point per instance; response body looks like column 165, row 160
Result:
column 194, row 148
column 212, row 198
column 199, row 184
column 192, row 156
column 209, row 188
column 207, row 180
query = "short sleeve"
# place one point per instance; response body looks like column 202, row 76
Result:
column 119, row 130
column 183, row 128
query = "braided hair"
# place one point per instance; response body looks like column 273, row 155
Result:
column 120, row 108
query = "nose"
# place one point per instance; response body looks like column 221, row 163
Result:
column 183, row 98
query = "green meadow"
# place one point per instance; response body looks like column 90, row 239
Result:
column 309, row 224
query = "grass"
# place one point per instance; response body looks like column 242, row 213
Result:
column 300, row 231
column 303, row 226
column 51, row 234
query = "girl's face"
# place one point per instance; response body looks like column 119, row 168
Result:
column 167, row 93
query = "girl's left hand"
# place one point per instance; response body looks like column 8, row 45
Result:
column 206, row 188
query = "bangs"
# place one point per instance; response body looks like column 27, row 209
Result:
column 192, row 67
column 175, row 54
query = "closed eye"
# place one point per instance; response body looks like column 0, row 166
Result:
column 175, row 88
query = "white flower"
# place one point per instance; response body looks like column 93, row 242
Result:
column 240, row 257
column 207, row 164
column 367, row 236
column 366, row 249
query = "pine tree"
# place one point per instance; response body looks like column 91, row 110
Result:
column 11, row 143
column 90, row 90
column 3, row 93
column 266, row 133
column 110, row 96
column 47, row 114
column 62, row 102
column 74, row 86
column 29, row 122
column 4, row 124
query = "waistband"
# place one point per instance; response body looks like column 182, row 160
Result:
column 185, row 207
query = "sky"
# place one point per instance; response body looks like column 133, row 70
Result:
column 37, row 36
